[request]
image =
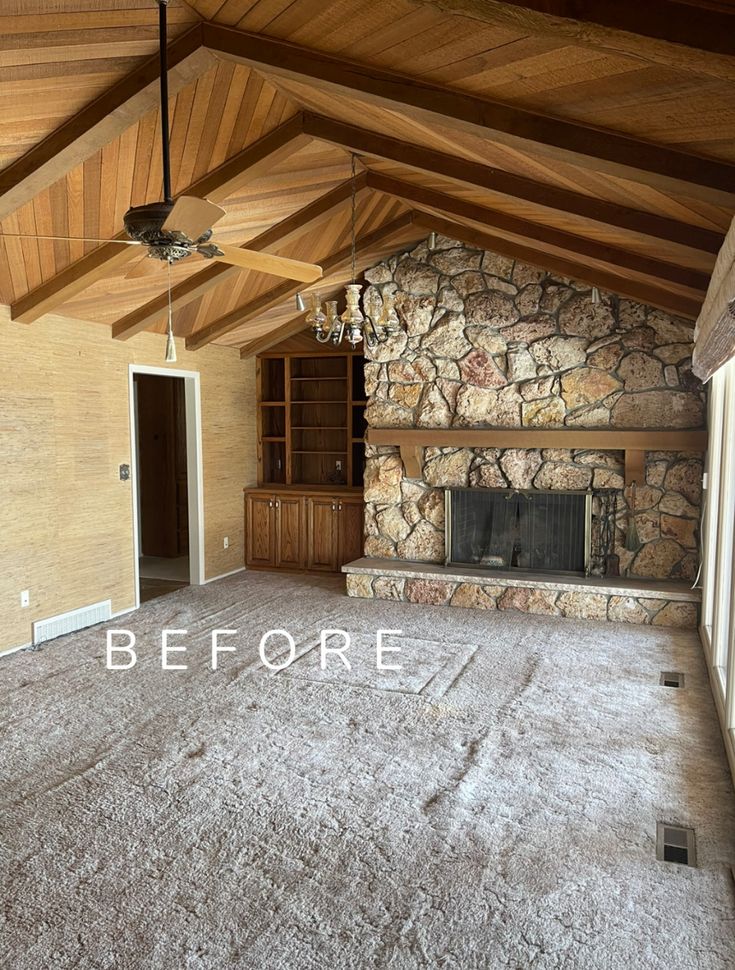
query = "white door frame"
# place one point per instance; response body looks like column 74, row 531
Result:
column 194, row 471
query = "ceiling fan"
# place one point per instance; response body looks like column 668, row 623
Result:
column 172, row 230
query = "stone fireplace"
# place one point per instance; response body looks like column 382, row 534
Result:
column 493, row 343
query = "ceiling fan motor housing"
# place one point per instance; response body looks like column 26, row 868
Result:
column 144, row 223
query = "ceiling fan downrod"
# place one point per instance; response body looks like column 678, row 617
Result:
column 163, row 62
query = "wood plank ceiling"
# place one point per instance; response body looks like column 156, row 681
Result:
column 581, row 146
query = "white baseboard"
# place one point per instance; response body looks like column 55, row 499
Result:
column 232, row 572
column 23, row 646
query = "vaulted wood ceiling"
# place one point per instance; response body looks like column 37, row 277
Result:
column 591, row 149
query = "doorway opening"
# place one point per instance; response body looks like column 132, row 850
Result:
column 165, row 426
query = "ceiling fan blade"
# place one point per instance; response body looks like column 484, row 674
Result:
column 38, row 235
column 144, row 267
column 292, row 269
column 192, row 217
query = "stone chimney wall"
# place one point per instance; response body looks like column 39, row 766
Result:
column 493, row 342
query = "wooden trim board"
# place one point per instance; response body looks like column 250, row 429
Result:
column 634, row 444
column 694, row 440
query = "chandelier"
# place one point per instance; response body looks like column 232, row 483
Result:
column 373, row 318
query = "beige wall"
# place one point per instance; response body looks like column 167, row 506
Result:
column 66, row 527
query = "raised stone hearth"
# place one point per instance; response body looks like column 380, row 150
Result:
column 657, row 603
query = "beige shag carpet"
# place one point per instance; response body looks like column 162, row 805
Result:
column 492, row 805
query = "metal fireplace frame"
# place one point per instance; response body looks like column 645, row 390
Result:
column 509, row 493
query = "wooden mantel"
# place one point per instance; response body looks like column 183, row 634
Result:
column 634, row 443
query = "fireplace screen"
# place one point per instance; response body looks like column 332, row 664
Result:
column 507, row 529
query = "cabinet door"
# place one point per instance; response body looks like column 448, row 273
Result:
column 351, row 517
column 290, row 536
column 323, row 534
column 260, row 545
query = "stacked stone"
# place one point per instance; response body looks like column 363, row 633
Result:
column 492, row 342
column 546, row 602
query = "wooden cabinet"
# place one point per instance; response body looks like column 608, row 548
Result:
column 289, row 531
column 260, row 530
column 304, row 529
column 323, row 534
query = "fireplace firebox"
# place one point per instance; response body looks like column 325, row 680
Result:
column 500, row 528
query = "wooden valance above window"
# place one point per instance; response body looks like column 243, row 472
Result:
column 714, row 334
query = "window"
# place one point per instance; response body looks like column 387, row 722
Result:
column 718, row 595
column 711, row 504
column 726, row 515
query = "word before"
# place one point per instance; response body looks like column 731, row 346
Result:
column 272, row 641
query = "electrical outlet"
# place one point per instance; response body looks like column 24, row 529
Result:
column 25, row 598
column 226, row 542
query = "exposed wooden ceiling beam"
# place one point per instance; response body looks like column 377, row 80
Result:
column 261, row 344
column 101, row 121
column 581, row 246
column 682, row 35
column 330, row 264
column 660, row 166
column 707, row 28
column 251, row 163
column 307, row 218
column 294, row 326
column 648, row 293
column 476, row 175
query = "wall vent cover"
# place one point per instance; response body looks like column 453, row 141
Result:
column 57, row 626
column 675, row 843
column 671, row 678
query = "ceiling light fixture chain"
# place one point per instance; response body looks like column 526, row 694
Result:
column 353, row 221
column 372, row 318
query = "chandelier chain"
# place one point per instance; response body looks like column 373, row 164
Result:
column 354, row 217
column 371, row 318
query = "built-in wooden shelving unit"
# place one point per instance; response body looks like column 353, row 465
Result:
column 311, row 419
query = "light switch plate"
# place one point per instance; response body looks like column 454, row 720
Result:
column 25, row 598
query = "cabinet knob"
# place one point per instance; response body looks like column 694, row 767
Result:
column 278, row 504
column 270, row 504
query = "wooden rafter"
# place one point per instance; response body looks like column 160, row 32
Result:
column 268, row 340
column 711, row 29
column 251, row 163
column 662, row 167
column 282, row 332
column 101, row 121
column 476, row 175
column 307, row 218
column 581, row 246
column 683, row 35
column 644, row 292
column 279, row 294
